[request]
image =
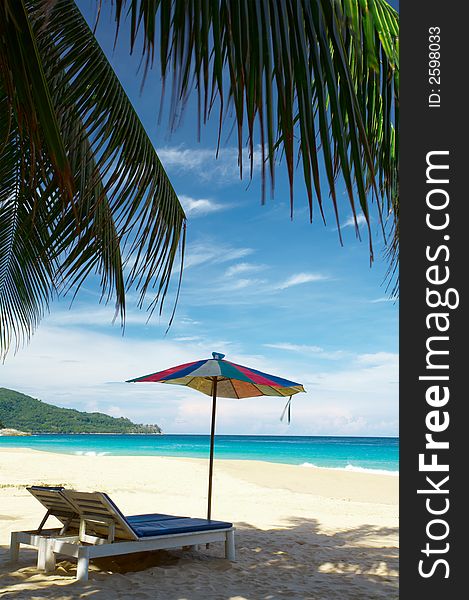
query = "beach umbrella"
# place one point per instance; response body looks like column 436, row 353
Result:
column 220, row 378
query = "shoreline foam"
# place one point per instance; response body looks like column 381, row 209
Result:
column 354, row 469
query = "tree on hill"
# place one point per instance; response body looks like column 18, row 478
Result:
column 19, row 411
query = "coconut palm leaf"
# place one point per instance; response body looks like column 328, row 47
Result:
column 116, row 215
column 304, row 77
column 26, row 265
column 27, row 91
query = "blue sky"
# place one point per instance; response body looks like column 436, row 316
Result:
column 272, row 293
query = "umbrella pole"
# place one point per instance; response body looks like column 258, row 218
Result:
column 212, row 440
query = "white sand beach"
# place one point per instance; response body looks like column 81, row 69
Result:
column 301, row 533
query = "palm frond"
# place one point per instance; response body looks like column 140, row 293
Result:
column 123, row 220
column 27, row 91
column 313, row 77
column 27, row 266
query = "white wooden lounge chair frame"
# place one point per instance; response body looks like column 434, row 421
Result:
column 83, row 547
column 49, row 543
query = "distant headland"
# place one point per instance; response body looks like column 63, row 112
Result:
column 23, row 415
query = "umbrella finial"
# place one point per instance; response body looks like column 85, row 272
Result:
column 218, row 355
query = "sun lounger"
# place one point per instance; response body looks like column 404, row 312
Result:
column 57, row 506
column 95, row 527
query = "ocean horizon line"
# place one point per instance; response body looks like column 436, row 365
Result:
column 332, row 435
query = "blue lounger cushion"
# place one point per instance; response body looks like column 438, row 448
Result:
column 152, row 517
column 171, row 526
column 160, row 524
column 139, row 518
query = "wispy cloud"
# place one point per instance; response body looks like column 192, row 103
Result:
column 300, row 278
column 198, row 207
column 199, row 253
column 187, row 321
column 242, row 284
column 242, row 268
column 202, row 162
column 100, row 316
column 307, row 349
column 350, row 222
column 184, row 158
column 378, row 359
column 382, row 299
column 295, row 347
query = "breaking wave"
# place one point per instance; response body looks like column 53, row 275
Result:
column 355, row 469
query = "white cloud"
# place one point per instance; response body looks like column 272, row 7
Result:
column 202, row 162
column 199, row 253
column 184, row 158
column 350, row 222
column 300, row 278
column 243, row 267
column 99, row 316
column 378, row 359
column 295, row 347
column 198, row 207
column 383, row 299
column 187, row 321
column 241, row 284
column 364, row 378
column 306, row 349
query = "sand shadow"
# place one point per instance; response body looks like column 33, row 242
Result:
column 296, row 562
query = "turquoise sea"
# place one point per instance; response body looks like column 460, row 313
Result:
column 374, row 454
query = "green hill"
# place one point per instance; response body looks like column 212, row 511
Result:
column 19, row 411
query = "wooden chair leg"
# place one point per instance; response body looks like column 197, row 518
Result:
column 41, row 554
column 83, row 564
column 49, row 557
column 230, row 552
column 14, row 547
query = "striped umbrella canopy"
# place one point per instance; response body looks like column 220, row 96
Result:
column 220, row 378
column 233, row 381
